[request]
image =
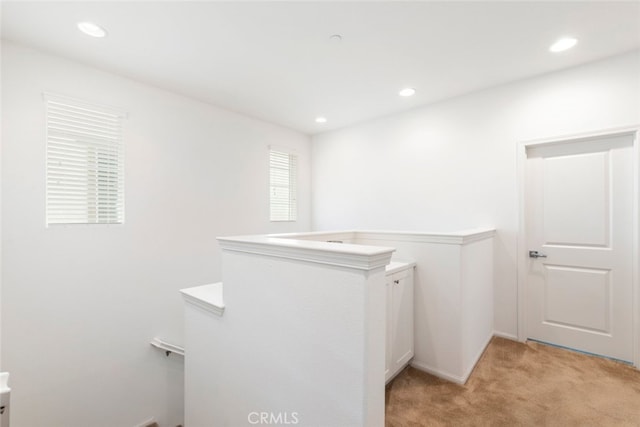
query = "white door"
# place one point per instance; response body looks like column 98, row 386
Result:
column 399, row 347
column 579, row 207
column 402, row 319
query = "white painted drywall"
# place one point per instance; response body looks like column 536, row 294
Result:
column 453, row 299
column 81, row 303
column 1, row 124
column 453, row 292
column 302, row 337
column 452, row 165
column 1, row 137
column 476, row 283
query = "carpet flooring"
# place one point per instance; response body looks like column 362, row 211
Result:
column 516, row 384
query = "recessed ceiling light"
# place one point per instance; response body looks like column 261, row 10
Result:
column 563, row 44
column 321, row 119
column 91, row 29
column 407, row 91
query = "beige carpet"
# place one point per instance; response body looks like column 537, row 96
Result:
column 517, row 384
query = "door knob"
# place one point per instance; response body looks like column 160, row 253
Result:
column 536, row 254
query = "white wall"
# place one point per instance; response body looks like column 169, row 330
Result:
column 81, row 303
column 1, row 125
column 452, row 165
column 302, row 332
column 476, row 285
column 453, row 297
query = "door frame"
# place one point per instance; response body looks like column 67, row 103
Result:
column 522, row 258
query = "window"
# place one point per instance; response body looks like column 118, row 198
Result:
column 85, row 164
column 283, row 171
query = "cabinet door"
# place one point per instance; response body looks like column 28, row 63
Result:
column 388, row 325
column 402, row 318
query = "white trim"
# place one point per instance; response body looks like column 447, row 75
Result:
column 521, row 260
column 397, row 265
column 453, row 238
column 581, row 136
column 49, row 96
column 477, row 358
column 398, row 372
column 147, row 423
column 636, row 249
column 451, row 377
column 438, row 373
column 359, row 257
column 282, row 149
column 207, row 297
column 349, row 235
column 505, row 335
column 521, row 238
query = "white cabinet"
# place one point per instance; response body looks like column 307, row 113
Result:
column 399, row 325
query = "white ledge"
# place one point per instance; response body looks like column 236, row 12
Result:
column 396, row 265
column 348, row 235
column 451, row 238
column 360, row 257
column 206, row 297
column 462, row 237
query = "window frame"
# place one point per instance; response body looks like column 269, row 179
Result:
column 102, row 188
column 292, row 186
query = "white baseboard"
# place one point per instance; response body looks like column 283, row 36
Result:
column 438, row 373
column 147, row 423
column 505, row 335
column 452, row 377
column 476, row 359
column 394, row 375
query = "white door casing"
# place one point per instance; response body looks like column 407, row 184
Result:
column 578, row 202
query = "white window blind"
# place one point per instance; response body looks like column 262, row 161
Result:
column 85, row 163
column 283, row 169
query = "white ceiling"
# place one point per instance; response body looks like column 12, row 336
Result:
column 275, row 61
